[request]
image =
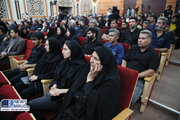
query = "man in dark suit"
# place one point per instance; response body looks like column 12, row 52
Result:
column 16, row 46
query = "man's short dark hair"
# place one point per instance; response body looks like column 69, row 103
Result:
column 154, row 16
column 15, row 30
column 116, row 21
column 133, row 18
column 93, row 30
column 37, row 35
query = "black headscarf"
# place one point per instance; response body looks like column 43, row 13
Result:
column 68, row 69
column 73, row 35
column 49, row 60
column 101, row 96
column 22, row 34
column 51, row 33
column 61, row 38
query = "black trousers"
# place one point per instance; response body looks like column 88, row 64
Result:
column 15, row 75
column 26, row 91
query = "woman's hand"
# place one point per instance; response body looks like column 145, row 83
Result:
column 94, row 71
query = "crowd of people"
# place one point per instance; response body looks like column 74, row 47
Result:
column 79, row 90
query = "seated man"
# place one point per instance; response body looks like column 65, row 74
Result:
column 16, row 46
column 83, row 28
column 37, row 51
column 117, row 49
column 143, row 59
column 160, row 39
column 131, row 34
column 89, row 45
column 93, row 23
column 114, row 24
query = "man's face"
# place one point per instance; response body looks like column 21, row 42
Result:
column 166, row 28
column 114, row 24
column 152, row 19
column 90, row 35
column 159, row 25
column 13, row 34
column 112, row 37
column 123, row 25
column 143, row 40
column 91, row 24
column 132, row 23
column 145, row 26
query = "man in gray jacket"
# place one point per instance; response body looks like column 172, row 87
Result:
column 16, row 46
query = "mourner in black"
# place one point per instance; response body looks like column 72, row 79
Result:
column 95, row 94
column 44, row 70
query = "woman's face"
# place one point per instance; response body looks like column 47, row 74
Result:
column 47, row 46
column 58, row 31
column 68, row 33
column 24, row 30
column 66, row 52
column 95, row 61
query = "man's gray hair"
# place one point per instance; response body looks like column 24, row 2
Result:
column 148, row 32
column 162, row 18
column 93, row 21
column 146, row 22
column 114, row 30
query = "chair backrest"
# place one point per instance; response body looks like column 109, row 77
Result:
column 102, row 41
column 126, row 47
column 103, row 31
column 29, row 46
column 81, row 40
column 87, row 59
column 25, row 116
column 3, row 79
column 128, row 78
column 158, row 51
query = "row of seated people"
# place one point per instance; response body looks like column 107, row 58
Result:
column 144, row 44
column 68, row 73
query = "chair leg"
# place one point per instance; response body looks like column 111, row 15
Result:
column 146, row 92
column 161, row 65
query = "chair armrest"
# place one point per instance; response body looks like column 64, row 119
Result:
column 148, row 79
column 21, row 56
column 123, row 115
column 30, row 71
column 46, row 81
column 20, row 62
column 13, row 62
column 45, row 84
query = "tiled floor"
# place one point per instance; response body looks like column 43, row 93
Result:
column 166, row 91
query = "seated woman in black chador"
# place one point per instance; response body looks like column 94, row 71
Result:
column 95, row 94
column 60, row 36
column 44, row 69
column 65, row 74
column 71, row 34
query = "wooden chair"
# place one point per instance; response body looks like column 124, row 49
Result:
column 150, row 82
column 147, row 90
column 172, row 46
column 128, row 78
column 17, row 60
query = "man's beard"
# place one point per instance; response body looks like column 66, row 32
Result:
column 90, row 38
